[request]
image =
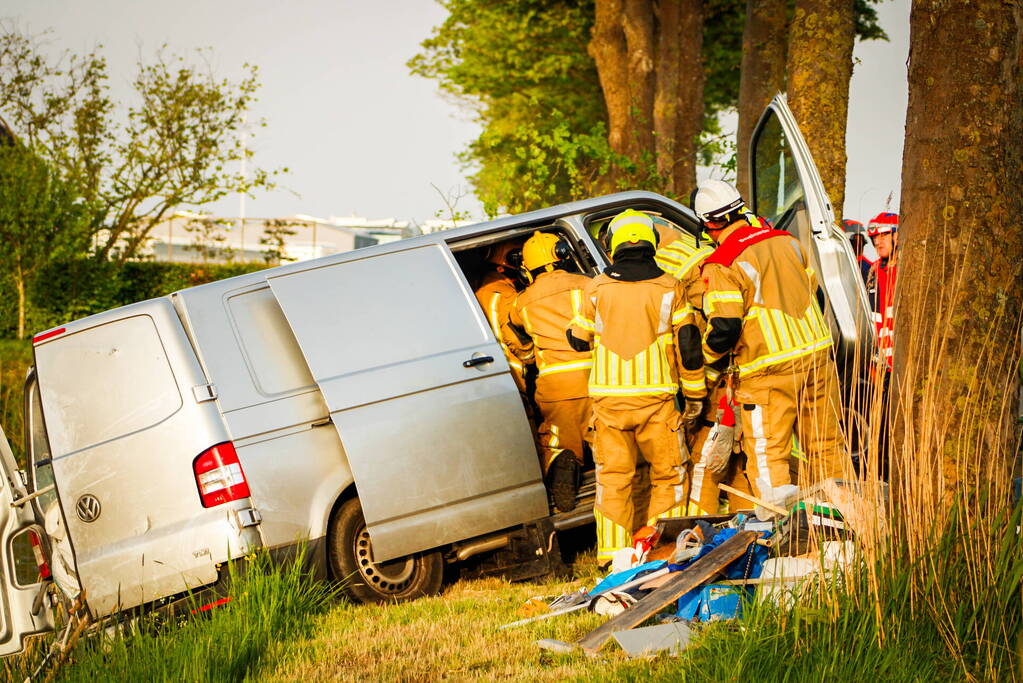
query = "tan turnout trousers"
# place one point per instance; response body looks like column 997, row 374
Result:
column 543, row 312
column 705, row 496
column 802, row 400
column 636, row 373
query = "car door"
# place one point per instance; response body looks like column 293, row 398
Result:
column 21, row 614
column 787, row 190
column 420, row 394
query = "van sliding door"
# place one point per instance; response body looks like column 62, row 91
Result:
column 421, row 395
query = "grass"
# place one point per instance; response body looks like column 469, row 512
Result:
column 271, row 607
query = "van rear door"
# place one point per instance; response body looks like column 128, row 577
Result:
column 421, row 395
column 21, row 614
column 787, row 189
column 128, row 413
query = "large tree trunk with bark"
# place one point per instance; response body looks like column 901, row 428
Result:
column 638, row 25
column 762, row 74
column 960, row 291
column 666, row 95
column 819, row 68
column 690, row 96
column 650, row 66
column 608, row 48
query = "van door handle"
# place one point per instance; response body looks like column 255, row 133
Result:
column 478, row 360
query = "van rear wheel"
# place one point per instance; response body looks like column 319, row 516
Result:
column 364, row 580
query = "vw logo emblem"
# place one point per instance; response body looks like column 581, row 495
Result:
column 88, row 508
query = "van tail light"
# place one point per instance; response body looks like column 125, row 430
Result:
column 219, row 476
column 37, row 550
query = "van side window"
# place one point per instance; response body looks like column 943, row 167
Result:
column 777, row 188
column 271, row 351
column 105, row 382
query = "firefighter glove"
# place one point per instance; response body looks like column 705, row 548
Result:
column 691, row 412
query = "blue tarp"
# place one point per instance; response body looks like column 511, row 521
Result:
column 722, row 602
column 618, row 578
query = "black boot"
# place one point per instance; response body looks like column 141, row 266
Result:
column 563, row 480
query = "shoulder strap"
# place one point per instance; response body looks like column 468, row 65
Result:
column 739, row 241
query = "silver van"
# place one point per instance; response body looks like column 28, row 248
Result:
column 358, row 401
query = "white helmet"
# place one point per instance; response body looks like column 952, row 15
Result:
column 716, row 199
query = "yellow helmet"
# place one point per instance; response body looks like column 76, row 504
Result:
column 543, row 250
column 631, row 227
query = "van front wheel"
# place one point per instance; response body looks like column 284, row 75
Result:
column 351, row 562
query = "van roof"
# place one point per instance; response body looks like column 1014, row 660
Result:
column 620, row 199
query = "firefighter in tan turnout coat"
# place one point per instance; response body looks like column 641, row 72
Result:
column 645, row 347
column 762, row 311
column 540, row 315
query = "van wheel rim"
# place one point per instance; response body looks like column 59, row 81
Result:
column 384, row 577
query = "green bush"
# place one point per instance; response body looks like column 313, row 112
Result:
column 70, row 289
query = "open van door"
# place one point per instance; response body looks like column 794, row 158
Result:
column 787, row 190
column 23, row 611
column 420, row 394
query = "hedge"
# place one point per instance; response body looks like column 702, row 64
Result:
column 67, row 290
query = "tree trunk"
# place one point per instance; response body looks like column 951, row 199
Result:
column 638, row 24
column 19, row 284
column 690, row 96
column 666, row 96
column 960, row 299
column 819, row 68
column 762, row 74
column 608, row 49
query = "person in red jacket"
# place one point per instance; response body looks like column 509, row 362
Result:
column 883, row 230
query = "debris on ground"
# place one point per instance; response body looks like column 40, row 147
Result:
column 689, row 571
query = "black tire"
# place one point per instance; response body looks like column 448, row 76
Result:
column 351, row 562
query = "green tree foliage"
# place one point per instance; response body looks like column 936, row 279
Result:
column 176, row 144
column 41, row 218
column 521, row 67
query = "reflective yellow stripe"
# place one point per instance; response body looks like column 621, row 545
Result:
column 585, row 323
column 565, row 367
column 633, row 390
column 680, row 315
column 692, row 386
column 610, row 536
column 711, row 298
column 781, row 328
column 775, row 358
column 760, row 315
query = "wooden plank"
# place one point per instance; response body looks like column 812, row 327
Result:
column 701, row 571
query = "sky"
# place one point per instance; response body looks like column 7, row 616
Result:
column 359, row 134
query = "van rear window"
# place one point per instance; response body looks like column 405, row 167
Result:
column 105, row 382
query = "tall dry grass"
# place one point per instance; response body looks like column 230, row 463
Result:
column 949, row 536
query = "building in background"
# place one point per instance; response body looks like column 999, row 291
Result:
column 197, row 238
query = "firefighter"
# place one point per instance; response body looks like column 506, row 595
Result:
column 497, row 296
column 682, row 258
column 541, row 313
column 763, row 314
column 883, row 230
column 645, row 346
